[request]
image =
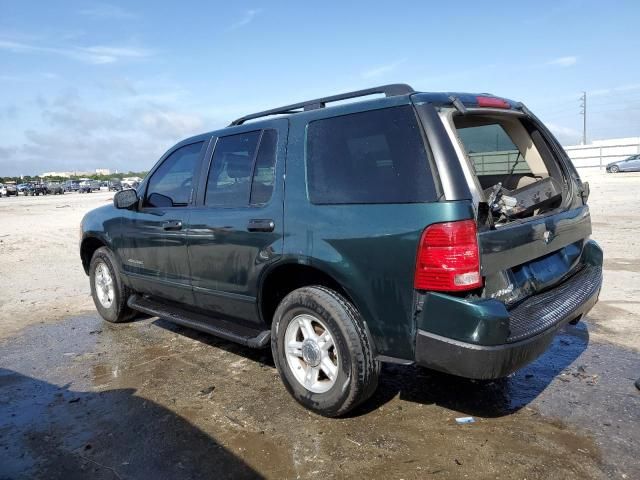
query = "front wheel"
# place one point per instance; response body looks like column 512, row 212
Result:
column 322, row 351
column 614, row 169
column 109, row 294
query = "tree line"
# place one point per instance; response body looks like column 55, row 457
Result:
column 101, row 178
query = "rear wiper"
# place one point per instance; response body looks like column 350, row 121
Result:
column 458, row 104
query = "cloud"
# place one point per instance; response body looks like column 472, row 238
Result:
column 562, row 130
column 96, row 55
column 10, row 78
column 564, row 61
column 248, row 17
column 601, row 92
column 106, row 10
column 382, row 69
column 105, row 54
column 118, row 85
column 74, row 131
column 171, row 123
column 10, row 112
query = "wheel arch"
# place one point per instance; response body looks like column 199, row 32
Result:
column 87, row 248
column 283, row 278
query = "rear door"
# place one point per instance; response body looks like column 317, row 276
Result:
column 237, row 228
column 154, row 240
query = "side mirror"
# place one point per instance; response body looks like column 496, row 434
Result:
column 125, row 199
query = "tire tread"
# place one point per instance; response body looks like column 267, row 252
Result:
column 360, row 345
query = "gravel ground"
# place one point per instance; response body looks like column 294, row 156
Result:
column 80, row 398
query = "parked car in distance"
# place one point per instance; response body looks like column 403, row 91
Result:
column 629, row 164
column 20, row 188
column 3, row 190
column 9, row 189
column 35, row 189
column 71, row 185
column 115, row 186
column 445, row 230
column 130, row 184
column 88, row 186
column 55, row 188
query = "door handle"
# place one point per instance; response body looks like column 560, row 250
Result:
column 261, row 225
column 172, row 225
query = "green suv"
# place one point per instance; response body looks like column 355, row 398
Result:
column 443, row 229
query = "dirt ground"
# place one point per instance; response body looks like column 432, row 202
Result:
column 80, row 398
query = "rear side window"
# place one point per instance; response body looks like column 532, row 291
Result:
column 377, row 156
column 242, row 170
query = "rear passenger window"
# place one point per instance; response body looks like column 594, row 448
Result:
column 242, row 170
column 377, row 156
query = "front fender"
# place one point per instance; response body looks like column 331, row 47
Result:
column 99, row 227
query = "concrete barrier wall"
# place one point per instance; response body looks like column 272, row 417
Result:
column 601, row 152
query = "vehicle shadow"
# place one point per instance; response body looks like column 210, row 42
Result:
column 261, row 355
column 47, row 431
column 479, row 398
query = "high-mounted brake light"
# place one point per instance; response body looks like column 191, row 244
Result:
column 492, row 102
column 448, row 257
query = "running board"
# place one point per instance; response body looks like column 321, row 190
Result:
column 232, row 331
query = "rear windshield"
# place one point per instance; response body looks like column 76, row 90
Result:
column 377, row 156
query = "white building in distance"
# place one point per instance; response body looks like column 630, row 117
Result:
column 77, row 173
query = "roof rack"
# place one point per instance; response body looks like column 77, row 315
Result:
column 391, row 90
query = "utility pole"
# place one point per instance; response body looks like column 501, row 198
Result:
column 583, row 112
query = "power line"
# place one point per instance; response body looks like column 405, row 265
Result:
column 583, row 112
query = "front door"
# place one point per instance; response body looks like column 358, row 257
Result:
column 236, row 229
column 154, row 253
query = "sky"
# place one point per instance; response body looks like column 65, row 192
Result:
column 87, row 85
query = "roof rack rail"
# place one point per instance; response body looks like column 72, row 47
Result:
column 391, row 90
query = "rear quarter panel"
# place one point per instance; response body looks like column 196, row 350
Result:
column 369, row 249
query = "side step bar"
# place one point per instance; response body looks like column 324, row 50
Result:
column 241, row 334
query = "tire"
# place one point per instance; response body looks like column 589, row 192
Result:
column 111, row 302
column 353, row 366
column 614, row 169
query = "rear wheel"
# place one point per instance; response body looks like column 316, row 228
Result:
column 109, row 294
column 322, row 351
column 614, row 169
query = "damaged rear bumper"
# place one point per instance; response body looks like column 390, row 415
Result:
column 484, row 340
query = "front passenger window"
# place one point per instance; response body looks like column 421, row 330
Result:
column 172, row 183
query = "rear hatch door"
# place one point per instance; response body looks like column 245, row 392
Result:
column 533, row 220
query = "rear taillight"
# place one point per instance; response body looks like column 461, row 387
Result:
column 448, row 257
column 492, row 102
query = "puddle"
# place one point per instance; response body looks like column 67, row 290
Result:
column 82, row 398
